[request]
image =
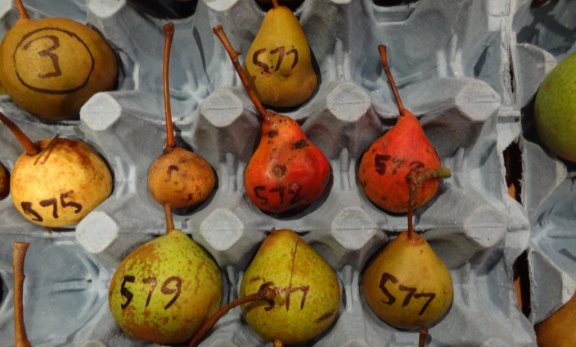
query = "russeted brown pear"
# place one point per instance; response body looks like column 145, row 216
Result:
column 279, row 60
column 403, row 149
column 557, row 330
column 4, row 182
column 57, row 181
column 287, row 172
column 180, row 177
column 52, row 66
column 164, row 290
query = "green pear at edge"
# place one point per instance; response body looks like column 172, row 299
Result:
column 279, row 62
column 164, row 290
column 555, row 109
column 308, row 290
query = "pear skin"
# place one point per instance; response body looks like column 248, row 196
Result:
column 165, row 289
column 61, row 184
column 4, row 182
column 52, row 66
column 558, row 329
column 407, row 285
column 279, row 61
column 555, row 109
column 308, row 290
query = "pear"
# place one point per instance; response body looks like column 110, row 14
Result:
column 57, row 181
column 406, row 284
column 52, row 66
column 555, row 109
column 402, row 150
column 279, row 60
column 557, row 330
column 165, row 289
column 287, row 172
column 4, row 182
column 308, row 290
column 179, row 177
column 19, row 250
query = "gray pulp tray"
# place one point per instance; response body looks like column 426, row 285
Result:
column 462, row 66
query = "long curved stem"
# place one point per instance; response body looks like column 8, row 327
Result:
column 19, row 250
column 30, row 147
column 415, row 181
column 22, row 10
column 168, row 37
column 386, row 66
column 219, row 31
column 265, row 293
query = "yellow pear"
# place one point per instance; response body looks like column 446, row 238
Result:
column 558, row 329
column 52, row 66
column 57, row 181
column 307, row 288
column 279, row 61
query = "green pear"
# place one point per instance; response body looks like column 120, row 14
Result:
column 555, row 109
column 407, row 285
column 308, row 290
column 279, row 61
column 558, row 329
column 164, row 290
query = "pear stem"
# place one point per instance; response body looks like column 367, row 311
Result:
column 422, row 337
column 22, row 10
column 386, row 66
column 168, row 36
column 415, row 181
column 19, row 250
column 169, row 217
column 265, row 293
column 30, row 147
column 275, row 3
column 219, row 31
column 277, row 343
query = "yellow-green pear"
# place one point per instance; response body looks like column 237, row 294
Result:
column 164, row 290
column 308, row 290
column 52, row 66
column 555, row 109
column 56, row 182
column 558, row 329
column 407, row 285
column 279, row 61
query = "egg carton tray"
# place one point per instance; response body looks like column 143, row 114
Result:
column 544, row 36
column 453, row 62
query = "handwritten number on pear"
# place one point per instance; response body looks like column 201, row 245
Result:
column 281, row 52
column 48, row 53
column 171, row 286
column 52, row 203
column 294, row 191
column 411, row 292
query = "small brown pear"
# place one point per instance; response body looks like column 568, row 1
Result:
column 558, row 329
column 57, row 181
column 402, row 150
column 19, row 250
column 179, row 177
column 52, row 66
column 287, row 172
column 406, row 284
column 165, row 289
column 4, row 182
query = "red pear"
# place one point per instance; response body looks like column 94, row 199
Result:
column 402, row 150
column 287, row 171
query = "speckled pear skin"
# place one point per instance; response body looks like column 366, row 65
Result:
column 164, row 290
column 407, row 285
column 555, row 109
column 279, row 61
column 308, row 290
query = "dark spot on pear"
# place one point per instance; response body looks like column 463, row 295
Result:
column 301, row 144
column 279, row 170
